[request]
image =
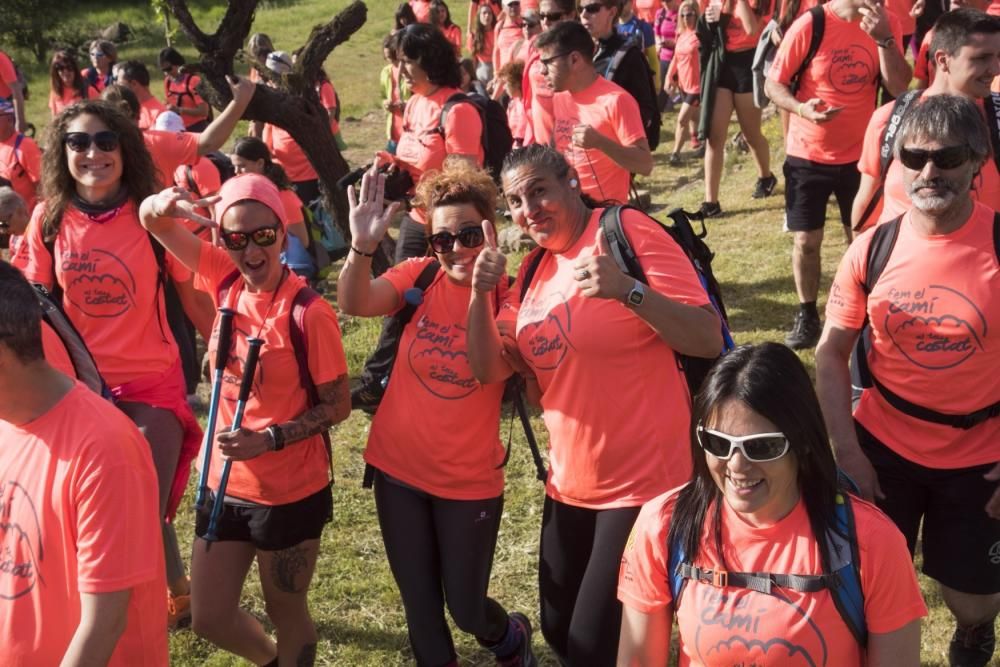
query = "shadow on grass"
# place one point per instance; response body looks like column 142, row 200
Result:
column 364, row 638
column 753, row 306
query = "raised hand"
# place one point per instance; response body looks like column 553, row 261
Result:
column 369, row 219
column 177, row 202
column 598, row 276
column 491, row 264
column 242, row 89
column 875, row 20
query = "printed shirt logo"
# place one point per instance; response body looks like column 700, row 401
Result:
column 994, row 554
column 545, row 338
column 852, row 69
column 437, row 357
column 21, row 551
column 935, row 327
column 97, row 282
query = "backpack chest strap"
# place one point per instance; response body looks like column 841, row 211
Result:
column 762, row 582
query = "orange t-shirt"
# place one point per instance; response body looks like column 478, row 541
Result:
column 288, row 154
column 55, row 351
column 737, row 626
column 422, row 148
column 934, row 315
column 685, row 68
column 538, row 96
column 22, row 167
column 895, row 201
column 183, row 94
column 646, row 10
column 301, row 468
column 204, row 177
column 484, row 55
column 614, row 113
column 80, row 515
column 508, row 34
column 736, row 37
column 7, row 74
column 149, row 109
column 421, row 9
column 69, row 96
column 293, row 207
column 614, row 401
column 437, row 428
column 17, row 251
column 900, row 10
column 843, row 73
column 170, row 150
column 924, row 68
column 454, row 35
column 328, row 98
column 108, row 273
column 804, row 6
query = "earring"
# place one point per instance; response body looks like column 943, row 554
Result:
column 573, row 182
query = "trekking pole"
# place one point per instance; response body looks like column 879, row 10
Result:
column 221, row 357
column 249, row 370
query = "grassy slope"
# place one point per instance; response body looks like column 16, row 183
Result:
column 354, row 600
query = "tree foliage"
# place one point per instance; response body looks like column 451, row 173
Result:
column 30, row 24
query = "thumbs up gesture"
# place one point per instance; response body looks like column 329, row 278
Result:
column 491, row 264
column 598, row 276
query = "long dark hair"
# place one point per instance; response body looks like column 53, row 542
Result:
column 429, row 47
column 66, row 58
column 138, row 172
column 770, row 380
column 252, row 148
column 479, row 36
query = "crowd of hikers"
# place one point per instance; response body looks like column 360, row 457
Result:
column 788, row 509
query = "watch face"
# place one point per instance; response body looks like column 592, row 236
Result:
column 636, row 295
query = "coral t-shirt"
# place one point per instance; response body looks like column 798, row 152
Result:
column 421, row 9
column 109, row 276
column 614, row 113
column 484, row 55
column 184, row 95
column 508, row 34
column 538, row 96
column 204, row 179
column 437, row 428
column 900, row 10
column 517, row 120
column 293, row 206
column 17, row 251
column 895, row 200
column 685, row 68
column 924, row 68
column 646, row 9
column 56, row 354
column 422, row 147
column 69, row 96
column 7, row 75
column 781, row 7
column 22, row 167
column 614, row 400
column 725, row 626
column 934, row 314
column 301, row 468
column 328, row 98
column 79, row 503
column 170, row 150
column 287, row 152
column 736, row 37
column 843, row 73
column 149, row 109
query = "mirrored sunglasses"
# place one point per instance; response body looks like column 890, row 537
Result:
column 262, row 237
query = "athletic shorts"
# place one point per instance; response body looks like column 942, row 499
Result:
column 269, row 527
column 694, row 99
column 808, row 186
column 960, row 543
column 735, row 72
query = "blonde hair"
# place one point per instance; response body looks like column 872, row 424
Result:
column 458, row 183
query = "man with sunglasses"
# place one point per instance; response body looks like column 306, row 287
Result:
column 966, row 53
column 597, row 124
column 20, row 157
column 924, row 440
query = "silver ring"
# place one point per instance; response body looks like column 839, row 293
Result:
column 583, row 274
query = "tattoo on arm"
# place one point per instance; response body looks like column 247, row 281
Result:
column 286, row 566
column 334, row 406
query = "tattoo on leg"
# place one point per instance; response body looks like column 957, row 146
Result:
column 286, row 565
column 307, row 656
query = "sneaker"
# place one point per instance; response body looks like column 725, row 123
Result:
column 765, row 186
column 523, row 657
column 367, row 397
column 674, row 160
column 710, row 209
column 805, row 332
column 699, row 150
column 178, row 611
column 972, row 647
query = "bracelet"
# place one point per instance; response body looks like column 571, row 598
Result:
column 798, row 109
column 363, row 254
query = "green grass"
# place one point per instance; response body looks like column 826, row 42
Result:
column 353, row 597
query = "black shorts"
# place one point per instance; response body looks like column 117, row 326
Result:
column 694, row 99
column 960, row 544
column 735, row 71
column 269, row 527
column 808, row 186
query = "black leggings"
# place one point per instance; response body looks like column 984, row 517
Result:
column 581, row 552
column 441, row 551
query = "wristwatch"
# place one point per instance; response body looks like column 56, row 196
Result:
column 635, row 295
column 277, row 437
column 886, row 43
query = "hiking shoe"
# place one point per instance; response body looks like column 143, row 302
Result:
column 523, row 657
column 765, row 186
column 710, row 209
column 805, row 332
column 699, row 150
column 178, row 611
column 972, row 647
column 367, row 397
column 674, row 160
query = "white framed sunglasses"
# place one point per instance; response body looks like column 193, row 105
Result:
column 757, row 447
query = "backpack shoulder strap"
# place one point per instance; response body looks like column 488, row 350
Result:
column 676, row 559
column 621, row 249
column 991, row 104
column 79, row 354
column 457, row 98
column 532, row 261
column 298, row 336
column 843, row 560
column 883, row 241
column 818, row 27
column 192, row 185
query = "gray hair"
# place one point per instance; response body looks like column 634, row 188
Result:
column 10, row 202
column 946, row 117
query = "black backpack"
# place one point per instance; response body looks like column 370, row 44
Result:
column 85, row 367
column 497, row 141
column 879, row 250
column 650, row 112
column 818, row 18
column 692, row 243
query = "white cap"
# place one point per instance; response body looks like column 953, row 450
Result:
column 168, row 121
column 279, row 62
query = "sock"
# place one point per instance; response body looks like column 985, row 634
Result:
column 809, row 308
column 509, row 643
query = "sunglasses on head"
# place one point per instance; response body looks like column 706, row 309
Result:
column 470, row 237
column 78, row 142
column 262, row 237
column 551, row 17
column 944, row 158
column 758, row 448
column 592, row 8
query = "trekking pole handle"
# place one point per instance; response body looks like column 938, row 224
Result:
column 225, row 339
column 249, row 370
column 221, row 357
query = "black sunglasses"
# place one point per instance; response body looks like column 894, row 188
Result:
column 944, row 158
column 758, row 448
column 262, row 237
column 551, row 17
column 592, row 8
column 470, row 237
column 551, row 59
column 64, row 67
column 78, row 142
